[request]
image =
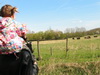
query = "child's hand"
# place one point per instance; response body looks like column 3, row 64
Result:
column 23, row 25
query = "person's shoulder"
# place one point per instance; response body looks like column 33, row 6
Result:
column 3, row 20
column 6, row 19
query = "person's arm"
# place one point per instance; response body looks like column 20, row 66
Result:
column 21, row 30
column 24, row 37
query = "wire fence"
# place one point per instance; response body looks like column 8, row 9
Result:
column 43, row 49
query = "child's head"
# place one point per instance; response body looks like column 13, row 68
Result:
column 8, row 11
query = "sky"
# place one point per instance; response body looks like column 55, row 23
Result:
column 41, row 15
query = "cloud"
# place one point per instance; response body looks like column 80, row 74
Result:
column 92, row 24
column 77, row 21
column 98, row 3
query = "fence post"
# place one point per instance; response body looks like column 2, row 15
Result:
column 66, row 45
column 38, row 49
column 50, row 50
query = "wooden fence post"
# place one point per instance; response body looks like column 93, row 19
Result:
column 38, row 49
column 66, row 45
column 51, row 51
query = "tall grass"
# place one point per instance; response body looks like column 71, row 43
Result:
column 82, row 58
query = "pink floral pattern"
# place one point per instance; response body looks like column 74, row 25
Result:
column 10, row 32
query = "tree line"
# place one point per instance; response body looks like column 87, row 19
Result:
column 56, row 34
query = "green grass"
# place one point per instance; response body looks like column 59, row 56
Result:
column 81, row 57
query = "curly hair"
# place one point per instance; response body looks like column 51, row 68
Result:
column 7, row 11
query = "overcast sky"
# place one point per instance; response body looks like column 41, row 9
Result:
column 41, row 15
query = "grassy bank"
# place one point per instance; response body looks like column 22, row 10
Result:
column 82, row 58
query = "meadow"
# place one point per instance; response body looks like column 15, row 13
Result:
column 82, row 57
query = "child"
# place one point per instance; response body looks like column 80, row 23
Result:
column 10, row 37
column 12, row 34
column 10, row 31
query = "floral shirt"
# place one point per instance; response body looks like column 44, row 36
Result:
column 10, row 32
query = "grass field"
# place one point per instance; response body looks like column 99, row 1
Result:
column 82, row 57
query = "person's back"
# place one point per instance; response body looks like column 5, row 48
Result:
column 10, row 31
